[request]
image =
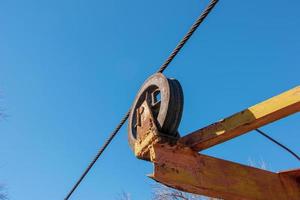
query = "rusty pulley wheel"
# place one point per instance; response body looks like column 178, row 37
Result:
column 165, row 98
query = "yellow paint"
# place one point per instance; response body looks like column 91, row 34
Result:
column 252, row 118
column 278, row 102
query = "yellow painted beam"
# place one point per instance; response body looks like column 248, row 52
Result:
column 186, row 170
column 252, row 118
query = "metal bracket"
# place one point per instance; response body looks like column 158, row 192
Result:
column 148, row 134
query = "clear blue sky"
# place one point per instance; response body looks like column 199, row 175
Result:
column 69, row 70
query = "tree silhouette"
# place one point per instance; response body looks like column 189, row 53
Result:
column 161, row 192
column 3, row 195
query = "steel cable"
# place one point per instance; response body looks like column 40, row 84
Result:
column 188, row 35
column 279, row 144
column 194, row 27
column 100, row 151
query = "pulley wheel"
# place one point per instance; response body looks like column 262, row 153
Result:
column 165, row 98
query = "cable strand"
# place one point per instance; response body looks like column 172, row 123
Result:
column 194, row 27
column 100, row 151
column 278, row 143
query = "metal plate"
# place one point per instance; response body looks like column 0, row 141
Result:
column 165, row 98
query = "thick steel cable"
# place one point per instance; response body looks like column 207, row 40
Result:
column 100, row 151
column 278, row 143
column 194, row 27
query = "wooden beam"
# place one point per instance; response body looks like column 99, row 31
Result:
column 186, row 170
column 252, row 118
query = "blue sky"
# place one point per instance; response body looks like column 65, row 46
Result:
column 69, row 70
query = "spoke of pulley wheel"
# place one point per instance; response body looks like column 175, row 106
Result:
column 203, row 15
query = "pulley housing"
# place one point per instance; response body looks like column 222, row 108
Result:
column 155, row 114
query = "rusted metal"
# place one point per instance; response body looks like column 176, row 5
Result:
column 148, row 134
column 179, row 165
column 162, row 99
column 187, row 170
column 163, row 67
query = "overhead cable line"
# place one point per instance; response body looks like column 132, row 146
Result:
column 187, row 36
column 193, row 28
column 278, row 143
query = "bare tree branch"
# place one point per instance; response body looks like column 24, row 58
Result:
column 3, row 195
column 2, row 113
column 161, row 192
column 122, row 196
